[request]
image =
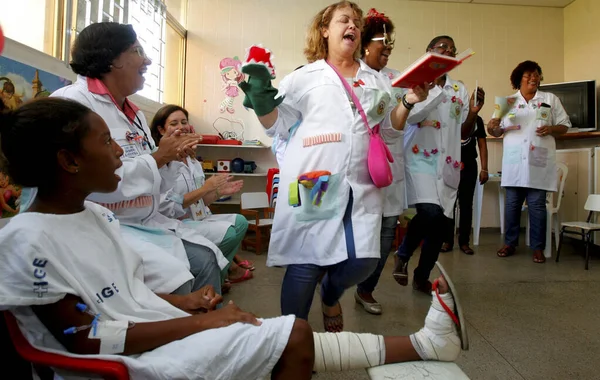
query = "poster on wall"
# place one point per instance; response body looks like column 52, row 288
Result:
column 19, row 83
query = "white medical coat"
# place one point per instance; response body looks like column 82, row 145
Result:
column 529, row 160
column 191, row 177
column 395, row 194
column 432, row 146
column 137, row 198
column 315, row 234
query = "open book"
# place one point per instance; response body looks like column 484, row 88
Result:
column 428, row 68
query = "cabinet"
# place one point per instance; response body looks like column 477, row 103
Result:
column 253, row 182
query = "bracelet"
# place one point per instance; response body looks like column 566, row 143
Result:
column 484, row 171
column 406, row 104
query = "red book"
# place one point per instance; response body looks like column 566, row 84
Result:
column 428, row 68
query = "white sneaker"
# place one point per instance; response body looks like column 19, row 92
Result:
column 438, row 339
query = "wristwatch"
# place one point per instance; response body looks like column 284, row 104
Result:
column 406, row 104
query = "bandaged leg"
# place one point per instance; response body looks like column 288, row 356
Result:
column 438, row 339
column 345, row 351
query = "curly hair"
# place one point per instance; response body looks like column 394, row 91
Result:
column 98, row 45
column 316, row 44
column 160, row 119
column 522, row 68
column 44, row 126
column 374, row 24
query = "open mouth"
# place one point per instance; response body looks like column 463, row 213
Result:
column 350, row 37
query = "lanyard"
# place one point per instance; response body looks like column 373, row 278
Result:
column 138, row 124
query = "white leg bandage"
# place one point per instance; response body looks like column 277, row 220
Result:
column 344, row 351
column 438, row 339
column 112, row 336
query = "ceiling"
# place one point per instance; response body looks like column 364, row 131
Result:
column 534, row 3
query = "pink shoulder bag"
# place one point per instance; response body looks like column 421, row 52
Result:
column 379, row 155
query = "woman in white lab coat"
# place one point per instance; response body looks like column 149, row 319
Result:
column 111, row 63
column 335, row 232
column 534, row 119
column 377, row 45
column 433, row 162
column 191, row 193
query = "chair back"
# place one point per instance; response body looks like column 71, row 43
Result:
column 562, row 173
column 108, row 369
column 254, row 201
column 592, row 203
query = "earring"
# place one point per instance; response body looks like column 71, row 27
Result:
column 76, row 170
column 366, row 51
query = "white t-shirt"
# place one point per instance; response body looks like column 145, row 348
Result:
column 45, row 257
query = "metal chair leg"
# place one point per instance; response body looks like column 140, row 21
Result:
column 560, row 242
column 587, row 250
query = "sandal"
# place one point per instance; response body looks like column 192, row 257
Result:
column 333, row 324
column 446, row 247
column 456, row 314
column 247, row 276
column 506, row 251
column 538, row 256
column 466, row 249
column 246, row 264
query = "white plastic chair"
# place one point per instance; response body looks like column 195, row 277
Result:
column 256, row 206
column 552, row 211
column 583, row 229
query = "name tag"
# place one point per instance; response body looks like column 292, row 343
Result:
column 198, row 212
column 130, row 150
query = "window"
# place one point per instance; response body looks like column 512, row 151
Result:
column 52, row 26
column 178, row 9
column 148, row 18
column 39, row 18
column 174, row 63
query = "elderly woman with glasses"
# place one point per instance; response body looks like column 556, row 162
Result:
column 111, row 63
column 533, row 120
column 432, row 155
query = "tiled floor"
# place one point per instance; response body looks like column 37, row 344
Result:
column 525, row 320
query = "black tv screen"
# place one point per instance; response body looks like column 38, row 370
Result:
column 579, row 100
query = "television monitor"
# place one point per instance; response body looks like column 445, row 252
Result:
column 580, row 102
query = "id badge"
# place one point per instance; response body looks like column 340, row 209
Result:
column 198, row 212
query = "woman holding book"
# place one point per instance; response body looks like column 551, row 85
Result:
column 533, row 120
column 377, row 44
column 331, row 231
column 433, row 163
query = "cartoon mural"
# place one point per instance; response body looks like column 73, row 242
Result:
column 231, row 74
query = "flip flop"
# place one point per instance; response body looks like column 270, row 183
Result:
column 246, row 264
column 247, row 276
column 457, row 314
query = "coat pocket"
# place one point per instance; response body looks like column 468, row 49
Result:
column 312, row 207
column 538, row 156
column 451, row 175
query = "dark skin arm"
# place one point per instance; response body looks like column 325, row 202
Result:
column 142, row 337
column 483, row 158
column 468, row 126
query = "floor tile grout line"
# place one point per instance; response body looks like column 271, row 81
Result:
column 495, row 349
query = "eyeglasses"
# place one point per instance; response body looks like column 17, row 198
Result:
column 532, row 75
column 444, row 47
column 140, row 51
column 387, row 41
